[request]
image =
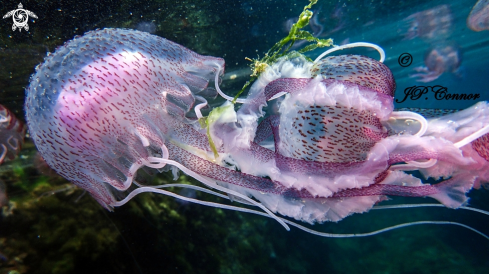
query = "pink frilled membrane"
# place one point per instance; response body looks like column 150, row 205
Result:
column 315, row 141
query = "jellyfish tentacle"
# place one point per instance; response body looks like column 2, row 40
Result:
column 144, row 140
column 223, row 95
column 185, row 186
column 405, row 115
column 430, row 205
column 472, row 137
column 285, row 221
column 414, row 165
column 390, row 228
column 354, row 45
column 198, row 107
column 149, row 189
column 278, row 95
column 210, row 183
column 408, row 115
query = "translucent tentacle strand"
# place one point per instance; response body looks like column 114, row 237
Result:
column 353, row 45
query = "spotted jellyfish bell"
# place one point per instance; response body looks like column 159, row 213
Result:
column 103, row 104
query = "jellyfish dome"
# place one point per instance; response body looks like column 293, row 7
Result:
column 100, row 105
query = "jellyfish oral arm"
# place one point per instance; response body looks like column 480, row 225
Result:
column 450, row 193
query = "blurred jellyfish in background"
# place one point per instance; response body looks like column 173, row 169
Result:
column 322, row 24
column 439, row 59
column 247, row 8
column 432, row 24
column 257, row 31
column 148, row 27
column 338, row 19
column 42, row 167
column 478, row 19
column 12, row 133
column 315, row 27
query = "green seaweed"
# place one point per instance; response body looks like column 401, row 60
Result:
column 282, row 47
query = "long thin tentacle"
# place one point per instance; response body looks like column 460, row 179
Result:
column 314, row 232
column 354, row 45
column 186, row 186
column 198, row 107
column 429, row 205
column 413, row 116
column 229, row 98
column 472, row 137
column 212, row 184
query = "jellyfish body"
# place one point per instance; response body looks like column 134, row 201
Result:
column 466, row 129
column 334, row 150
column 431, row 24
column 96, row 108
column 478, row 19
column 112, row 101
column 12, row 133
column 445, row 57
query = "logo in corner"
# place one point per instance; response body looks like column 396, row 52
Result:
column 20, row 17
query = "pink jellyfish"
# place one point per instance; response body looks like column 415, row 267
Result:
column 431, row 24
column 114, row 100
column 101, row 106
column 478, row 19
column 439, row 59
column 12, row 133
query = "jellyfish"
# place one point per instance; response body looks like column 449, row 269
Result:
column 432, row 24
column 12, row 133
column 478, row 19
column 441, row 58
column 96, row 109
column 112, row 101
column 146, row 26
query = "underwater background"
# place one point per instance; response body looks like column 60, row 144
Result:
column 48, row 225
